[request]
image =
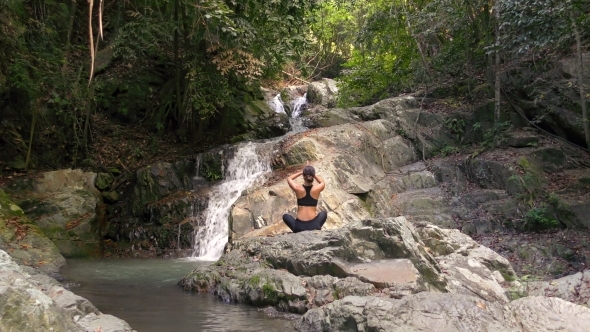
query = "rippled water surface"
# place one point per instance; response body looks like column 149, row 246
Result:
column 144, row 293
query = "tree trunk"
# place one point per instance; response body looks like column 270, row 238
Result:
column 33, row 122
column 176, row 59
column 73, row 8
column 497, row 85
column 581, row 81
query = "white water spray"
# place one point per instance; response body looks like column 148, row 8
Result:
column 244, row 170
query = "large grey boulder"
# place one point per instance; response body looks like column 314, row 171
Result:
column 24, row 240
column 360, row 177
column 445, row 312
column 296, row 272
column 66, row 206
column 38, row 303
column 324, row 92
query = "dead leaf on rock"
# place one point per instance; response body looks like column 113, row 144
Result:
column 481, row 305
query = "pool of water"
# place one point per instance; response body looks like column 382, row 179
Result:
column 144, row 293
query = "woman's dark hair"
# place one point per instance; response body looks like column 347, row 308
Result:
column 309, row 171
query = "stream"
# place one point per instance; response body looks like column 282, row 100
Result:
column 144, row 293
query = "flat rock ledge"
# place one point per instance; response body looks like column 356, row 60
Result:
column 38, row 303
column 382, row 275
column 387, row 258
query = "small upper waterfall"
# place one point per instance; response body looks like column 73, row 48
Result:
column 298, row 105
column 245, row 169
column 277, row 104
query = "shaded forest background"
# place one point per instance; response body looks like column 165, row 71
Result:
column 104, row 83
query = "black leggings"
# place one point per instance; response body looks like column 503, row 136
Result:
column 297, row 225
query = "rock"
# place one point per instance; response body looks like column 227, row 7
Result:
column 38, row 303
column 103, row 181
column 105, row 323
column 323, row 92
column 444, row 242
column 161, row 179
column 379, row 272
column 549, row 159
column 66, row 206
column 574, row 288
column 357, row 182
column 111, row 197
column 357, row 259
column 492, row 175
column 523, row 142
column 468, row 276
column 445, row 312
column 536, row 313
column 25, row 241
column 260, row 121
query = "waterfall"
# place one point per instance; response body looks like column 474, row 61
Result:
column 297, row 105
column 244, row 170
column 277, row 104
column 198, row 166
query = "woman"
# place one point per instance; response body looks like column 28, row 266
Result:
column 307, row 201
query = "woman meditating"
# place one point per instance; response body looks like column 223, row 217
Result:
column 307, row 201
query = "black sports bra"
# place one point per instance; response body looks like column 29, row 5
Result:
column 307, row 200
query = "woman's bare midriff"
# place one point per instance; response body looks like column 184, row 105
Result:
column 306, row 213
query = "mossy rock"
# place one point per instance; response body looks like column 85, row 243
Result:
column 111, row 197
column 7, row 208
column 103, row 181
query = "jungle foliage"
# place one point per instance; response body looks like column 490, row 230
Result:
column 185, row 68
column 198, row 61
column 403, row 45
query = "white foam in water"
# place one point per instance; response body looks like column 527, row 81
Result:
column 244, row 170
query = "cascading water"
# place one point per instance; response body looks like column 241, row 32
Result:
column 277, row 104
column 245, row 169
column 297, row 105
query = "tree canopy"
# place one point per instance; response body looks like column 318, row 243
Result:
column 186, row 67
